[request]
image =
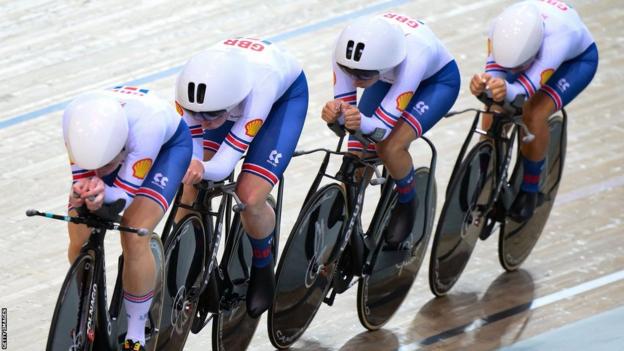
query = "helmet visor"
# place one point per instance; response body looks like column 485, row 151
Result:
column 359, row 74
column 523, row 66
column 209, row 116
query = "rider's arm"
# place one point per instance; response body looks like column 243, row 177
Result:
column 257, row 107
column 551, row 56
column 408, row 76
column 144, row 142
column 78, row 174
column 197, row 132
column 343, row 86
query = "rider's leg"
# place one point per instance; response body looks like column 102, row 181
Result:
column 139, row 265
column 431, row 101
column 147, row 209
column 267, row 158
column 258, row 217
column 258, row 220
column 78, row 235
column 189, row 192
column 535, row 113
column 394, row 153
column 557, row 91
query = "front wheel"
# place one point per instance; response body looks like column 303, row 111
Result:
column 70, row 329
column 305, row 269
column 381, row 292
column 462, row 219
column 516, row 240
column 232, row 327
column 185, row 257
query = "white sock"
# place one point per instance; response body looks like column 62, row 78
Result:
column 137, row 309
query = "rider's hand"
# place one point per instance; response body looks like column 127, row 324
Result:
column 331, row 111
column 477, row 83
column 351, row 116
column 195, row 173
column 497, row 87
column 77, row 189
column 94, row 196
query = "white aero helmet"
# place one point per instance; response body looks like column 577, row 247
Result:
column 95, row 129
column 213, row 80
column 517, row 35
column 370, row 44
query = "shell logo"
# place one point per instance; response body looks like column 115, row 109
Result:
column 545, row 76
column 141, row 167
column 179, row 109
column 403, row 99
column 252, row 127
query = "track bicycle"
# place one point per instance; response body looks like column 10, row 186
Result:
column 82, row 318
column 327, row 251
column 481, row 192
column 201, row 286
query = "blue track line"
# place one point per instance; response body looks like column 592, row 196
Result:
column 171, row 71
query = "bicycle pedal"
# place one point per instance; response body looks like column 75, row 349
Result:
column 488, row 229
column 330, row 300
column 367, row 269
column 541, row 198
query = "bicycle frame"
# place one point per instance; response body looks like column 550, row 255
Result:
column 218, row 283
column 503, row 150
column 101, row 332
column 385, row 195
column 364, row 245
column 105, row 314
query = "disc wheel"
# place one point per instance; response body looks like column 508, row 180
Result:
column 305, row 269
column 185, row 257
column 516, row 240
column 462, row 218
column 394, row 269
column 69, row 330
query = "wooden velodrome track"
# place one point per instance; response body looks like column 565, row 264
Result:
column 52, row 50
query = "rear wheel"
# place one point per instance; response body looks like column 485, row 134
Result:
column 232, row 327
column 305, row 269
column 394, row 269
column 185, row 257
column 462, row 218
column 516, row 240
column 69, row 330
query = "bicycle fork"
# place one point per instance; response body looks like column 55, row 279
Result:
column 501, row 199
column 353, row 241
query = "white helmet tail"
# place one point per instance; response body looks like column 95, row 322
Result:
column 213, row 80
column 517, row 35
column 95, row 129
column 370, row 44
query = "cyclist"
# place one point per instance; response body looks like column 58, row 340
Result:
column 245, row 95
column 126, row 144
column 543, row 50
column 410, row 82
